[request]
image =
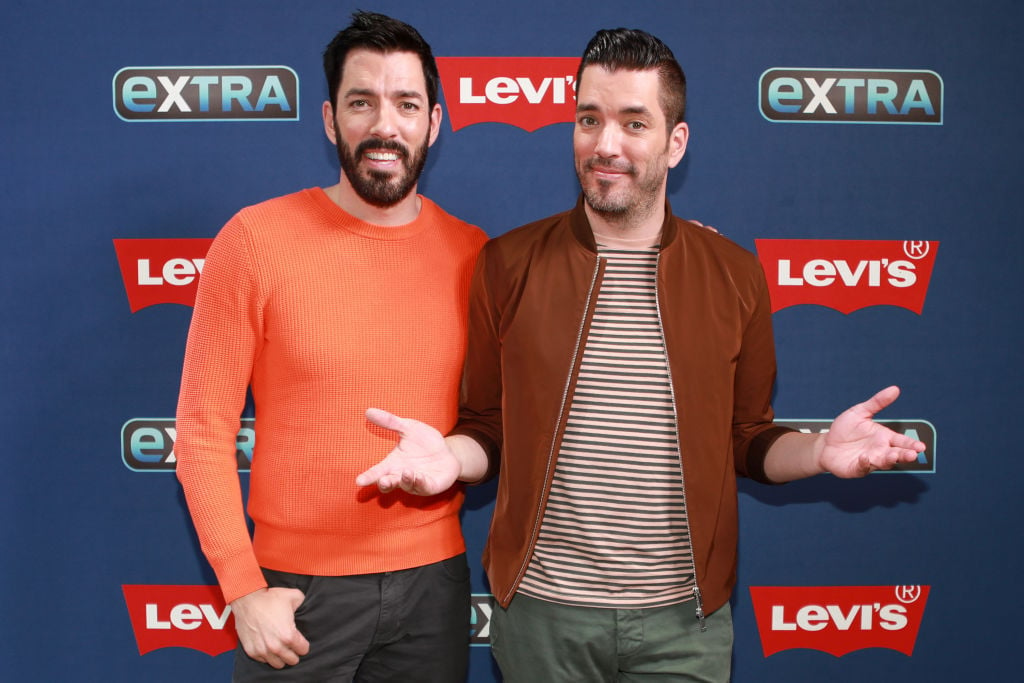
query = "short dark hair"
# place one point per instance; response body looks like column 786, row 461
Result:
column 380, row 33
column 635, row 50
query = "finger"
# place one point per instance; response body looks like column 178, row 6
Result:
column 409, row 480
column 910, row 455
column 389, row 482
column 287, row 658
column 383, row 418
column 300, row 645
column 272, row 659
column 905, row 443
column 372, row 475
column 415, row 482
column 881, row 400
column 295, row 597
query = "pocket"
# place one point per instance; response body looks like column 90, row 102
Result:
column 279, row 579
column 455, row 568
column 302, row 582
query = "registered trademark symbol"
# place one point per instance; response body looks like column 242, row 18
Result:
column 916, row 249
column 908, row 594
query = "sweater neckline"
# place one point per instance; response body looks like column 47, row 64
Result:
column 337, row 216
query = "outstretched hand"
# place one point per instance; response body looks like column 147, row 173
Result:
column 421, row 463
column 856, row 445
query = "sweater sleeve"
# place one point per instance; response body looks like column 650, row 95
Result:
column 223, row 341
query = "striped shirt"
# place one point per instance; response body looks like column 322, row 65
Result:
column 614, row 532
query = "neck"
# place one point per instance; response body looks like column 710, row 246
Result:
column 627, row 232
column 405, row 211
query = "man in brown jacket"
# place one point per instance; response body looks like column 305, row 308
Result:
column 619, row 376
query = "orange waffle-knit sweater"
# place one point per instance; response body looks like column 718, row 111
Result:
column 323, row 315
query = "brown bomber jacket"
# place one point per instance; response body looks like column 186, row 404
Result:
column 531, row 303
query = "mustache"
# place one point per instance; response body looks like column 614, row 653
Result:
column 598, row 164
column 381, row 145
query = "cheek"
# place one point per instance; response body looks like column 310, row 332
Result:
column 582, row 147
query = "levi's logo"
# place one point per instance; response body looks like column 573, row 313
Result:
column 161, row 271
column 526, row 92
column 195, row 617
column 847, row 275
column 838, row 619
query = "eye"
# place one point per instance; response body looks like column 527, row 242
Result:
column 409, row 106
column 636, row 125
column 587, row 121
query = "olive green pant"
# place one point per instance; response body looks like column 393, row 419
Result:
column 537, row 641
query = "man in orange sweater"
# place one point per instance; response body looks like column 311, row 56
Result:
column 317, row 302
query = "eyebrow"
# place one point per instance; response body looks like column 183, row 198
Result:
column 400, row 94
column 638, row 109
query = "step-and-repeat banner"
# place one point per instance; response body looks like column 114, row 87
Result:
column 869, row 153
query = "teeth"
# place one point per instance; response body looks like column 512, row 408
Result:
column 382, row 156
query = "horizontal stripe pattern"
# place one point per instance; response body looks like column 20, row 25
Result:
column 614, row 532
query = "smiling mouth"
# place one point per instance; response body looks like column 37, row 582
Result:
column 609, row 169
column 382, row 156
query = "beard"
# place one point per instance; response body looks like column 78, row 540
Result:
column 374, row 187
column 624, row 203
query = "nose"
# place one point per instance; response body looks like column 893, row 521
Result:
column 608, row 142
column 385, row 123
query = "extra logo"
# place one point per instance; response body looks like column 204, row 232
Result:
column 847, row 275
column 798, row 95
column 526, row 92
column 206, row 93
column 481, row 607
column 195, row 617
column 838, row 620
column 147, row 444
column 919, row 430
column 161, row 271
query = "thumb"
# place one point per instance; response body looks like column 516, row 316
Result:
column 295, row 597
column 383, row 418
column 881, row 400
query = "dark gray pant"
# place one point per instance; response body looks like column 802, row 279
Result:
column 409, row 625
column 534, row 640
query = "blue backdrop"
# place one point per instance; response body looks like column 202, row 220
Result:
column 79, row 367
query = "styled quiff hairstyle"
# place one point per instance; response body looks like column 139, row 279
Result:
column 379, row 33
column 635, row 50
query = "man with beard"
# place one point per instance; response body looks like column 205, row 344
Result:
column 619, row 374
column 317, row 301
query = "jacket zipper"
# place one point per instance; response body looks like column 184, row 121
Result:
column 554, row 439
column 682, row 470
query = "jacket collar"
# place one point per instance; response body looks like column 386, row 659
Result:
column 584, row 234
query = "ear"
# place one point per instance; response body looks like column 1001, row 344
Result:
column 436, row 116
column 677, row 139
column 328, row 114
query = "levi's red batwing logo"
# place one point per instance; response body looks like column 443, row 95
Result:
column 195, row 617
column 847, row 275
column 838, row 619
column 527, row 92
column 161, row 271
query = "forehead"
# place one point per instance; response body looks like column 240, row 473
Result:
column 621, row 90
column 369, row 70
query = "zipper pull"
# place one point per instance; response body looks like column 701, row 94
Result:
column 700, row 609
